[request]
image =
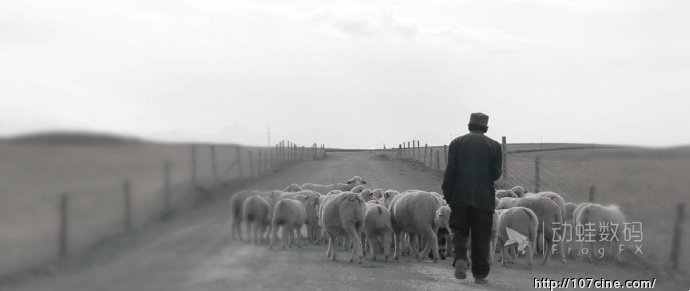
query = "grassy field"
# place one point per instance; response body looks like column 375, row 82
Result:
column 34, row 173
column 647, row 184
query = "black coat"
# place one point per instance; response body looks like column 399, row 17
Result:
column 474, row 163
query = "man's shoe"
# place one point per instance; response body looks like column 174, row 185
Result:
column 460, row 269
column 480, row 280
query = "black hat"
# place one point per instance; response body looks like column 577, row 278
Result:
column 480, row 119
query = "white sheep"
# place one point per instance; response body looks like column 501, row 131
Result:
column 555, row 198
column 519, row 191
column 378, row 193
column 522, row 220
column 368, row 195
column 256, row 213
column 293, row 188
column 579, row 208
column 415, row 212
column 592, row 217
column 342, row 215
column 324, row 189
column 549, row 215
column 358, row 189
column 388, row 196
column 312, row 222
column 440, row 198
column 561, row 206
column 378, row 229
column 291, row 215
column 504, row 203
column 505, row 193
column 236, row 204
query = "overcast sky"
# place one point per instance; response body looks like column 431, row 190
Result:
column 349, row 74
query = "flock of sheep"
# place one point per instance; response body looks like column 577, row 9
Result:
column 413, row 222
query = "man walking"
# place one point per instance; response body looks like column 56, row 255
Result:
column 474, row 163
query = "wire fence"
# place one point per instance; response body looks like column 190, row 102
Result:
column 645, row 184
column 60, row 200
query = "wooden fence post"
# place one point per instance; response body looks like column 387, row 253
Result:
column 438, row 160
column 445, row 154
column 431, row 158
column 194, row 185
column 213, row 164
column 419, row 151
column 592, row 194
column 64, row 214
column 537, row 169
column 239, row 161
column 399, row 151
column 166, row 187
column 128, row 206
column 426, row 148
column 270, row 153
column 677, row 234
column 505, row 158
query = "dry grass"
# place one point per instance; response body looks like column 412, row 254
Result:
column 646, row 183
column 33, row 175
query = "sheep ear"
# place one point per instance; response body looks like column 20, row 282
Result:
column 348, row 182
column 386, row 195
column 364, row 182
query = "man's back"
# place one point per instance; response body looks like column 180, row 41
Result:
column 474, row 163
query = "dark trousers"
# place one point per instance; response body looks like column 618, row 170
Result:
column 479, row 223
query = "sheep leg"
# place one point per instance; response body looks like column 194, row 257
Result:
column 363, row 243
column 562, row 250
column 356, row 243
column 504, row 256
column 249, row 231
column 298, row 232
column 285, row 237
column 404, row 243
column 310, row 232
column 431, row 242
column 373, row 246
column 547, row 253
column 236, row 228
column 258, row 233
column 398, row 251
column 386, row 241
column 317, row 234
column 331, row 245
column 274, row 236
column 254, row 230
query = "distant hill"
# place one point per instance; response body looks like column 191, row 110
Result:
column 71, row 138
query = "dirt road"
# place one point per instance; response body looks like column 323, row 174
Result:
column 194, row 252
